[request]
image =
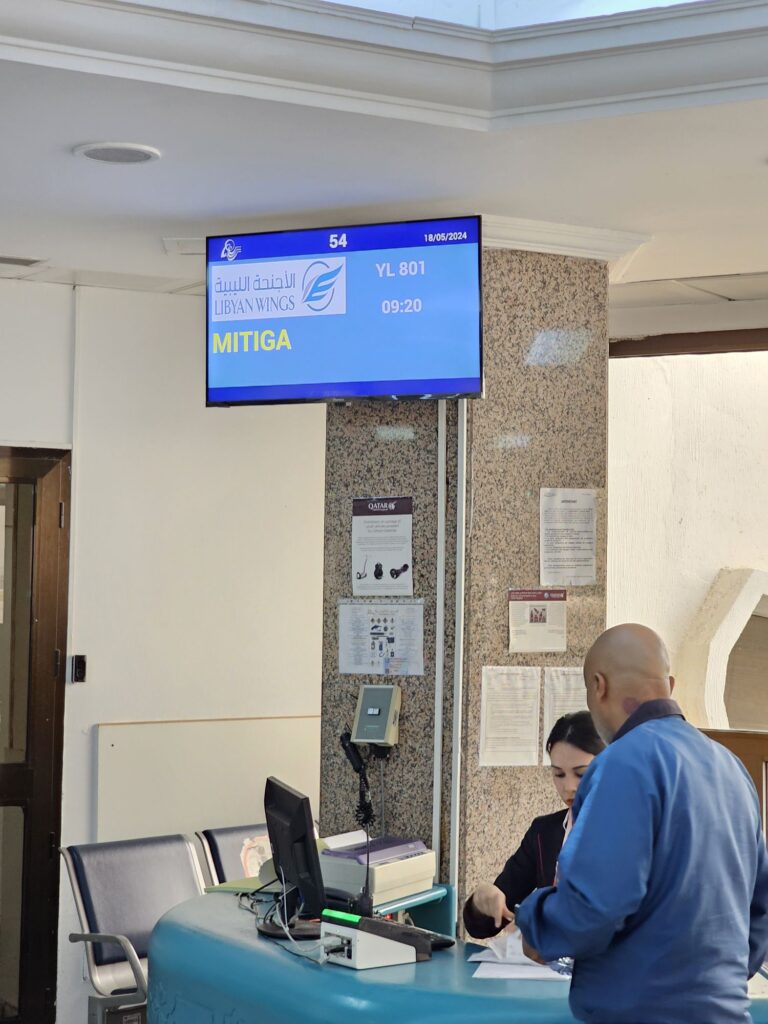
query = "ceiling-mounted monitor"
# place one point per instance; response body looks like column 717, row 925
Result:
column 342, row 313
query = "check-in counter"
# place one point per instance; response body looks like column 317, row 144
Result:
column 208, row 964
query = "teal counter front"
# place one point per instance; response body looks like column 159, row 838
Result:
column 208, row 965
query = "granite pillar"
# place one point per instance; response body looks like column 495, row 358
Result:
column 542, row 423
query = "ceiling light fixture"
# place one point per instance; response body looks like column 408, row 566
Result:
column 117, row 152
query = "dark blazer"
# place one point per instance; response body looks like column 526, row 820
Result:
column 531, row 867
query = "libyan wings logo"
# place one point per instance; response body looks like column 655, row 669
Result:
column 318, row 285
column 230, row 250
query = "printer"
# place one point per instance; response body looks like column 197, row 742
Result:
column 398, row 867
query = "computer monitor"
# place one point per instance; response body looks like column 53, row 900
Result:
column 294, row 853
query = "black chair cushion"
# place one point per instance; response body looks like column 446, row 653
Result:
column 226, row 845
column 127, row 886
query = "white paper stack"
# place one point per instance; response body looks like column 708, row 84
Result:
column 507, row 960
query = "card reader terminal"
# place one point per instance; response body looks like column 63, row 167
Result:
column 365, row 942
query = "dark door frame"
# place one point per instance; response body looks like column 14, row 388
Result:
column 35, row 785
column 698, row 343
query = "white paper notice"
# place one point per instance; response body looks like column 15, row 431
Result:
column 382, row 558
column 381, row 639
column 509, row 715
column 537, row 620
column 564, row 692
column 567, row 538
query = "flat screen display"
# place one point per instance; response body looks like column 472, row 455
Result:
column 376, row 310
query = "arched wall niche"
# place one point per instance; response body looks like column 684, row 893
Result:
column 702, row 665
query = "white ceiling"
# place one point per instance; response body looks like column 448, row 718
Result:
column 692, row 179
column 695, row 291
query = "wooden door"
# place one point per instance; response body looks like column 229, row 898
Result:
column 752, row 749
column 34, row 510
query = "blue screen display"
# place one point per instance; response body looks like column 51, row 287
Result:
column 350, row 312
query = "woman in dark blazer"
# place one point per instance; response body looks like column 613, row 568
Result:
column 572, row 745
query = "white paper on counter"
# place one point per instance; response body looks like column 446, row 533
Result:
column 513, row 963
column 564, row 692
column 509, row 715
column 518, row 972
column 567, row 537
column 511, row 945
column 385, row 638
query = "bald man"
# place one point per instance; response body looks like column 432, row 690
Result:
column 662, row 894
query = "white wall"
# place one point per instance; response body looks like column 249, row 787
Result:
column 197, row 548
column 36, row 364
column 197, row 534
column 687, row 482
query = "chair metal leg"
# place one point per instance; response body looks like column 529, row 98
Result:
column 122, row 1011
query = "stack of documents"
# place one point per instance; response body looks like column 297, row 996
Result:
column 512, row 963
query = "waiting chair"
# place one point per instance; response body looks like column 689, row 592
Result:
column 121, row 890
column 222, row 847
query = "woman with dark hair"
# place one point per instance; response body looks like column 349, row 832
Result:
column 572, row 745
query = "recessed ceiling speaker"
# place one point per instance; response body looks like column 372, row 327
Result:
column 117, row 152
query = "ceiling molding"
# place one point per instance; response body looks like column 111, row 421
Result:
column 563, row 239
column 207, row 79
column 340, row 58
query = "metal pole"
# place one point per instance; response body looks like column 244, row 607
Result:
column 458, row 669
column 437, row 766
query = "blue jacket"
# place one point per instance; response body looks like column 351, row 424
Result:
column 662, row 894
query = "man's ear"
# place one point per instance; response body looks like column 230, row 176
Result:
column 671, row 684
column 601, row 686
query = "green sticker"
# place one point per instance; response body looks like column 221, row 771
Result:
column 341, row 915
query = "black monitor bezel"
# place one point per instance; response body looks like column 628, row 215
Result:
column 301, row 808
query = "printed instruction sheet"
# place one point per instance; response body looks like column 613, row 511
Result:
column 385, row 638
column 567, row 537
column 537, row 620
column 509, row 715
column 564, row 692
column 382, row 554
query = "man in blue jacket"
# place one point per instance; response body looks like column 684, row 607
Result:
column 662, row 893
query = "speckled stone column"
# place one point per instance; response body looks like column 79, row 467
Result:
column 541, row 424
column 381, row 449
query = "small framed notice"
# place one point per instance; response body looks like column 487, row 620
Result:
column 537, row 620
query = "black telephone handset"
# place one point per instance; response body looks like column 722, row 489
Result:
column 364, row 815
column 353, row 754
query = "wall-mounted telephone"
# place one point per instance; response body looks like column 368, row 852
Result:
column 377, row 718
